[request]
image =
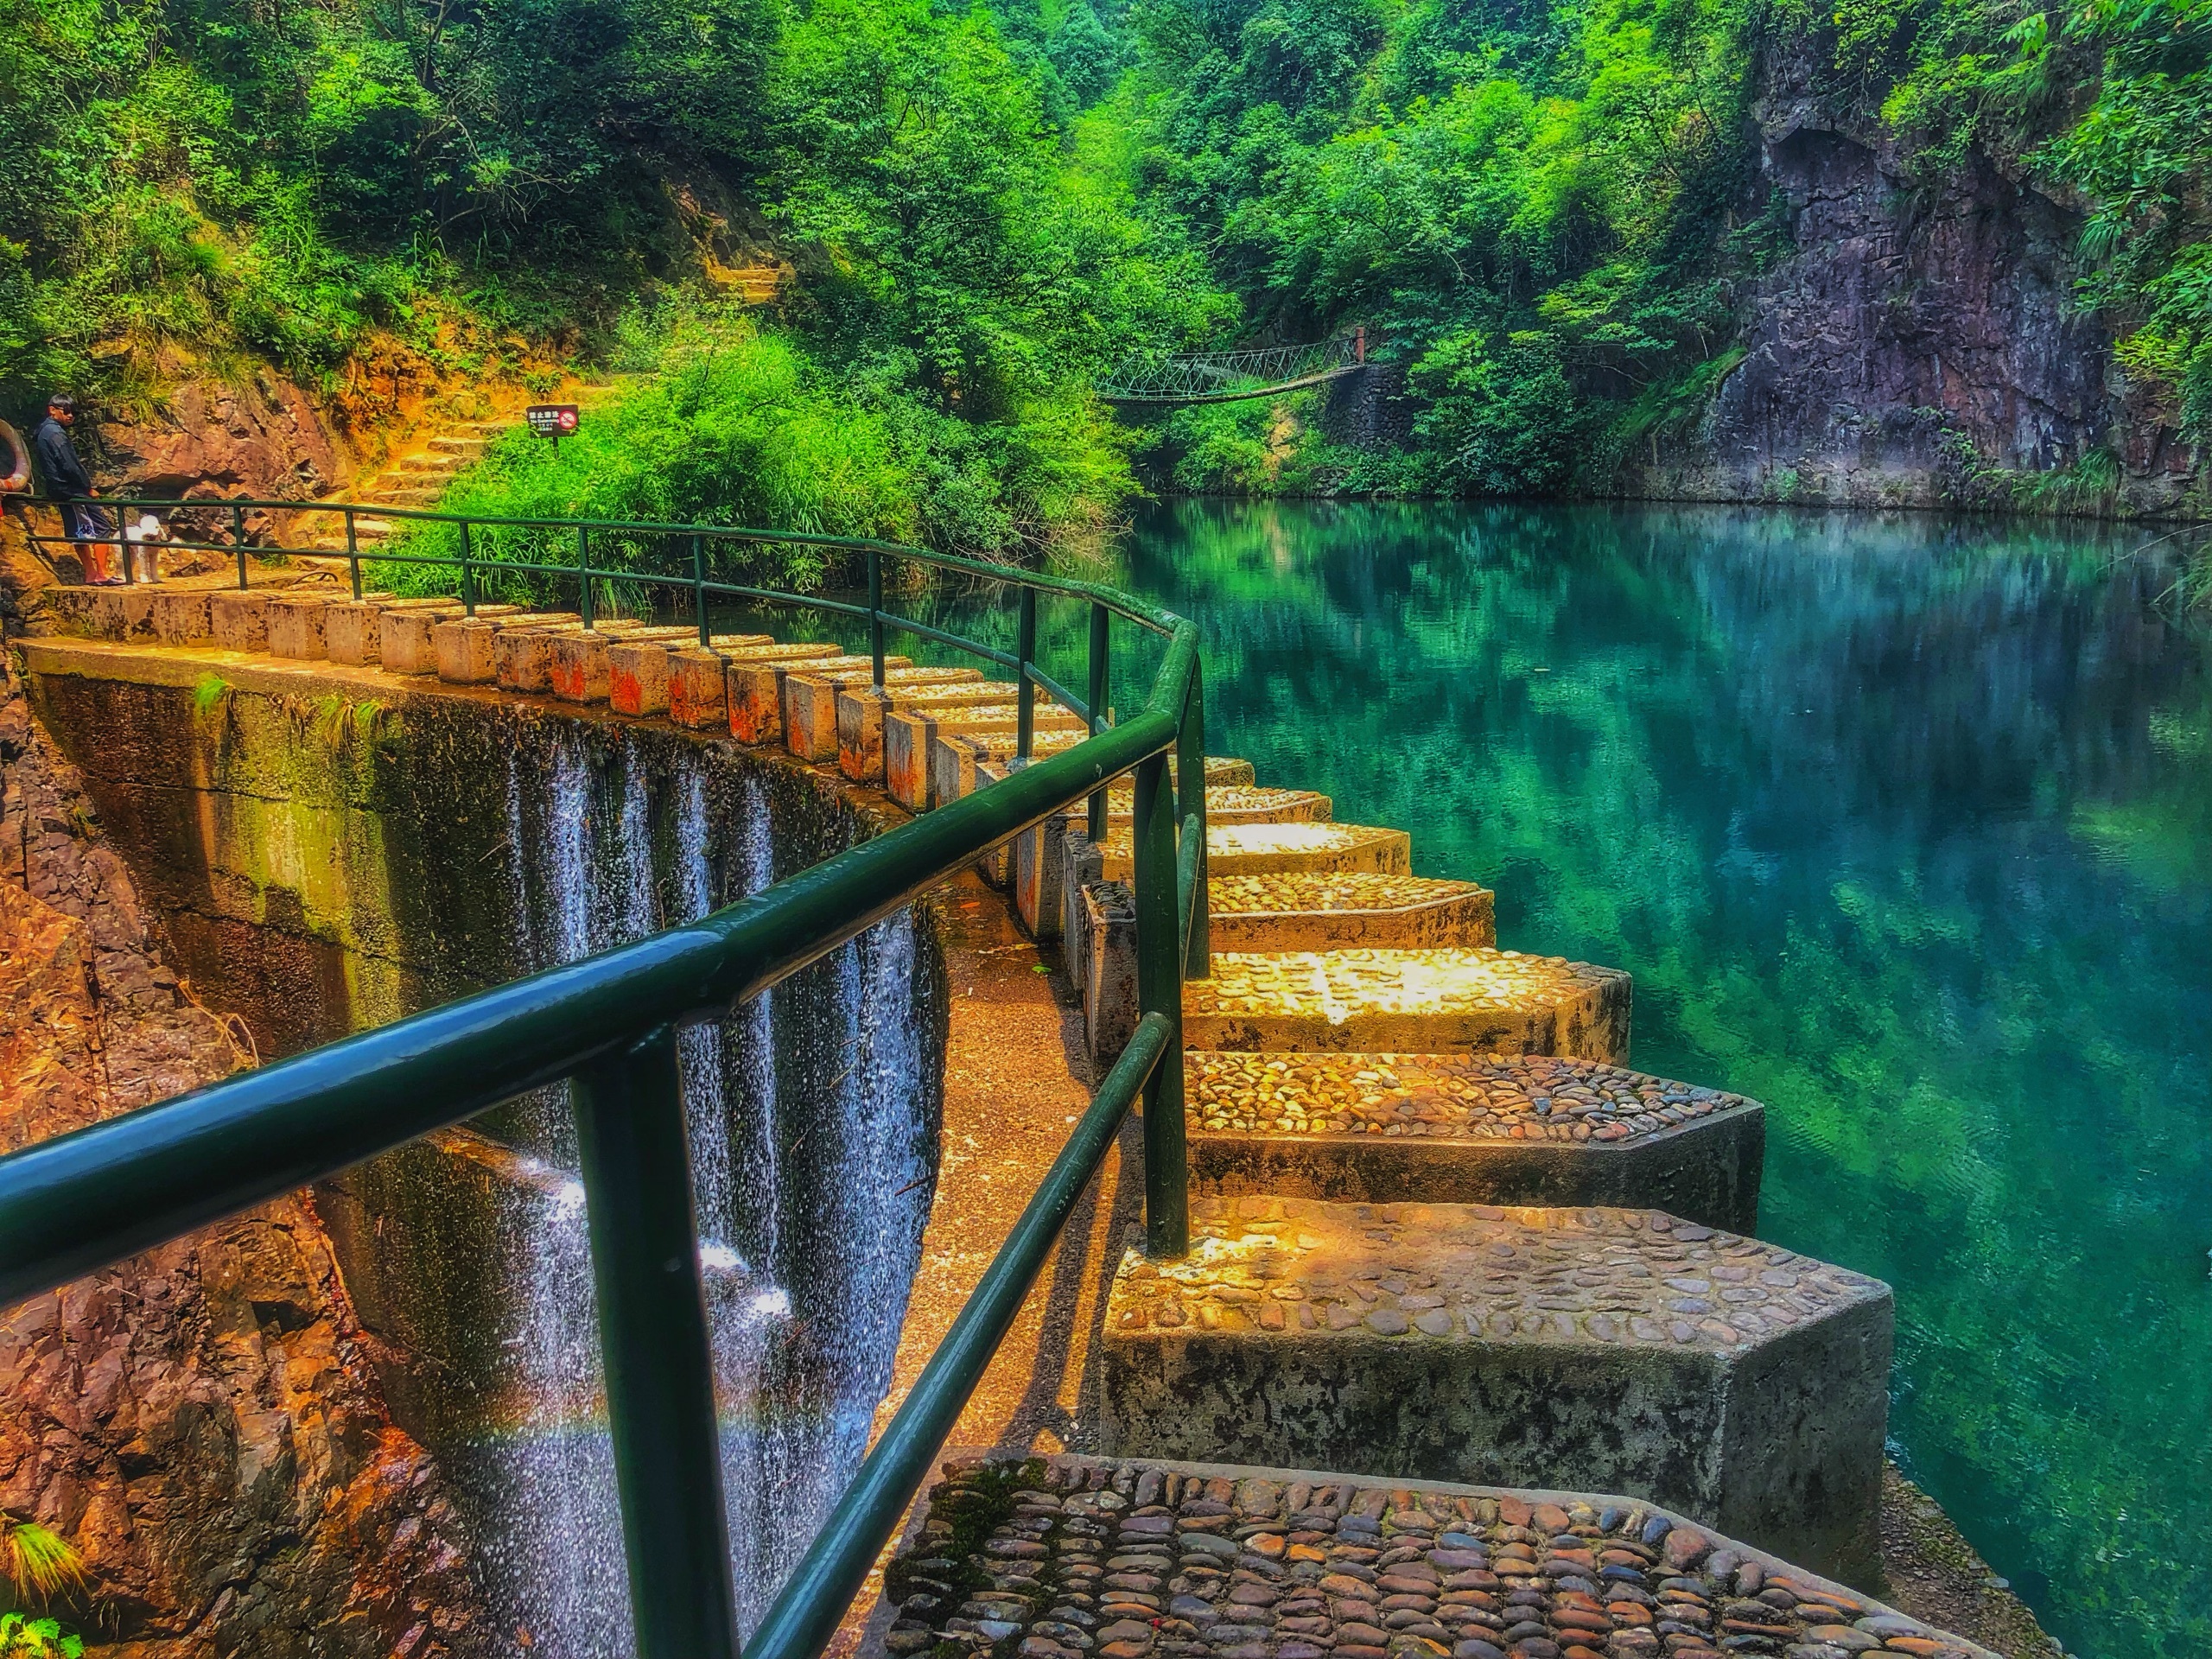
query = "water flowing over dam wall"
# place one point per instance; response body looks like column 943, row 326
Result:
column 326, row 857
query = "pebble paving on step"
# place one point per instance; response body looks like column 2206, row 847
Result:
column 1301, row 892
column 1239, row 804
column 1076, row 1558
column 1314, row 843
column 1462, row 1272
column 1332, row 984
column 1444, row 1097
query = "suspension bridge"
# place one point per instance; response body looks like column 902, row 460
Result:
column 1225, row 377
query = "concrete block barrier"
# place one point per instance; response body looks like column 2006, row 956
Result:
column 181, row 617
column 238, row 619
column 295, row 624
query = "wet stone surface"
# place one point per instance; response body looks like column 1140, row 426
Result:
column 1446, row 1096
column 1074, row 1557
column 1453, row 999
column 1481, row 1272
column 1245, row 848
column 1238, row 804
column 1392, row 982
column 1238, row 895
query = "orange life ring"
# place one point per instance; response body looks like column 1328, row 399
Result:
column 15, row 456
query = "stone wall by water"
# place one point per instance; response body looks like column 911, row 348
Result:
column 202, row 1423
column 329, row 862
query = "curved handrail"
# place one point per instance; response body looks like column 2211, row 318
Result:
column 93, row 1197
column 698, row 584
column 1127, row 606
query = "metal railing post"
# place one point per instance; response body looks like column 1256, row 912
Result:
column 699, row 585
column 1097, row 695
column 467, row 577
column 353, row 554
column 875, row 613
column 1159, row 990
column 652, row 1321
column 237, row 540
column 1024, row 719
column 1190, row 803
column 583, row 573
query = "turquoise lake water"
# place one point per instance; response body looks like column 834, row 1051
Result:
column 1904, row 826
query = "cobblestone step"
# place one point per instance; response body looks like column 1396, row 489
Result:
column 1228, row 804
column 1607, row 1349
column 1479, row 1128
column 1070, row 1557
column 1322, row 911
column 1468, row 999
column 1274, row 848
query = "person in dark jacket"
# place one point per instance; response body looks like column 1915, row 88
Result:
column 68, row 483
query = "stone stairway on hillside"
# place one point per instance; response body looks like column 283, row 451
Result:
column 416, row 478
column 1441, row 1232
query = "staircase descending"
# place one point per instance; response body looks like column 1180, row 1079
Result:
column 1448, row 1237
column 1445, row 1240
column 416, row 478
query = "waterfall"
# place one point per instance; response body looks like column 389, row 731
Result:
column 701, row 1045
column 558, row 1530
column 795, row 1395
column 759, row 1158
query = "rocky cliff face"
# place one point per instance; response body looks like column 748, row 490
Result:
column 201, row 1423
column 1919, row 344
column 263, row 439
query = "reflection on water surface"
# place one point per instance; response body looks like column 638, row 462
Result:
column 1905, row 826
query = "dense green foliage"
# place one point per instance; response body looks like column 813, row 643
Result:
column 36, row 1566
column 1549, row 209
column 1532, row 203
column 728, row 424
column 499, row 182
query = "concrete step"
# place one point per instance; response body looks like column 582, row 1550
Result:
column 895, row 746
column 1270, row 849
column 1599, row 1349
column 959, row 755
column 1321, row 910
column 373, row 529
column 1233, row 803
column 1467, row 999
column 405, row 495
column 407, row 639
column 427, row 465
column 1472, row 1129
column 1052, row 861
column 467, row 447
column 1069, row 1556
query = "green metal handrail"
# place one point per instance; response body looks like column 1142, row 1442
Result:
column 1029, row 677
column 87, row 1200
